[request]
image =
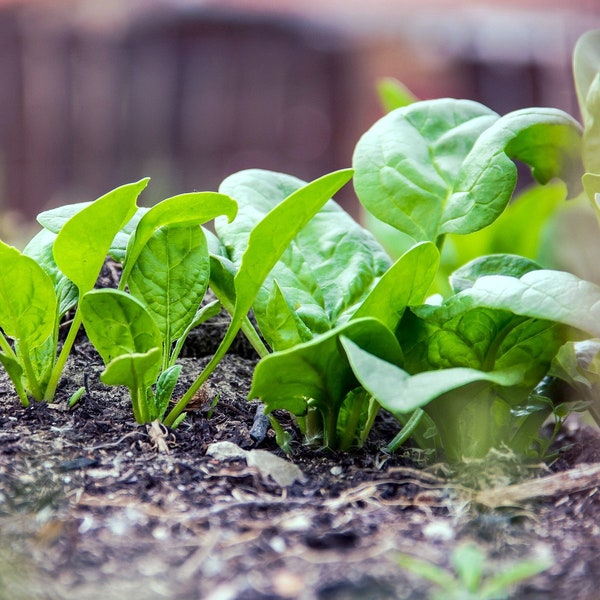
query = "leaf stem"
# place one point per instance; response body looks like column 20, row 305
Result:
column 62, row 357
column 254, row 338
column 16, row 381
column 407, row 430
column 206, row 372
column 352, row 423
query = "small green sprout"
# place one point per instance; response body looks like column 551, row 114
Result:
column 469, row 579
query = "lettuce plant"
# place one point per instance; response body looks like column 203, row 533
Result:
column 39, row 285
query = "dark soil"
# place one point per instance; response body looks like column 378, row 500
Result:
column 94, row 506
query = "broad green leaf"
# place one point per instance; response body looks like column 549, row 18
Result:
column 511, row 265
column 446, row 166
column 553, row 295
column 405, row 283
column 28, row 304
column 40, row 249
column 546, row 139
column 399, row 392
column 586, row 71
column 326, row 270
column 394, row 94
column 135, row 370
column 54, row 219
column 456, row 334
column 269, row 239
column 186, row 209
column 170, row 278
column 85, row 239
column 318, row 371
column 407, row 163
column 117, row 324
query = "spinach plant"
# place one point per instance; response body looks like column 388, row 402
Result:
column 266, row 243
column 428, row 169
column 469, row 578
column 332, row 277
column 39, row 285
column 166, row 266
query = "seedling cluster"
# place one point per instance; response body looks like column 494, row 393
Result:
column 342, row 328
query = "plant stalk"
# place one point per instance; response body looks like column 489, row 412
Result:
column 62, row 357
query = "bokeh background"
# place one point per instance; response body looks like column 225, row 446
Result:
column 97, row 93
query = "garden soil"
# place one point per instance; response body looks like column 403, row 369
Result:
column 95, row 506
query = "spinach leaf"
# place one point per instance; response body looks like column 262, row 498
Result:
column 28, row 315
column 185, row 209
column 129, row 342
column 312, row 380
column 586, row 71
column 547, row 294
column 324, row 273
column 170, row 278
column 446, row 166
column 40, row 249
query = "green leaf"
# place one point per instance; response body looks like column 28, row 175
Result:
column 326, row 270
column 457, row 334
column 586, row 71
column 468, row 561
column 135, row 370
column 138, row 371
column 40, row 249
column 399, row 392
column 185, row 209
column 54, row 219
column 407, row 163
column 165, row 386
column 404, row 284
column 317, row 372
column 118, row 324
column 394, row 94
column 446, row 166
column 554, row 295
column 170, row 278
column 28, row 304
column 511, row 265
column 15, row 373
column 493, row 588
column 548, row 140
column 280, row 324
column 85, row 239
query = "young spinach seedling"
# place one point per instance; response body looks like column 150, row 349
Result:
column 39, row 285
